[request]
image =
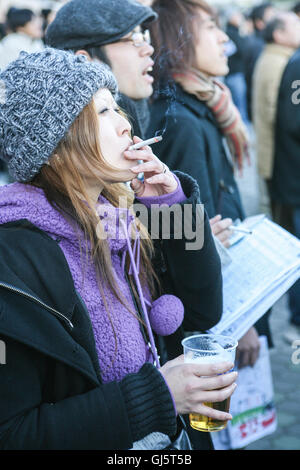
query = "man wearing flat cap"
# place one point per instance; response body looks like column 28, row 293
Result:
column 114, row 32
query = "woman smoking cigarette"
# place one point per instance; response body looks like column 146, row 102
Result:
column 151, row 141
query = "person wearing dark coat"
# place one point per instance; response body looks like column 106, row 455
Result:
column 285, row 187
column 191, row 131
column 81, row 280
column 52, row 366
column 203, row 133
column 235, row 79
column 124, row 46
column 253, row 49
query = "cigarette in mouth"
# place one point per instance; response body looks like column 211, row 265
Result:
column 146, row 142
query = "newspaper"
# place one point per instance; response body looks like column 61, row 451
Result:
column 264, row 265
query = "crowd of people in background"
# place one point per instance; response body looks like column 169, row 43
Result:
column 207, row 89
column 262, row 72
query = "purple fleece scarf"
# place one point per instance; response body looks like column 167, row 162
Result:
column 129, row 352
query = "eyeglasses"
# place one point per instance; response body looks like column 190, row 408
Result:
column 138, row 38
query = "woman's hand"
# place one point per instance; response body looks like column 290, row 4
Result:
column 220, row 229
column 248, row 349
column 193, row 384
column 158, row 179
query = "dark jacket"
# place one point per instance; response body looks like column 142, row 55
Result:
column 192, row 143
column 285, row 184
column 52, row 396
column 236, row 62
column 254, row 47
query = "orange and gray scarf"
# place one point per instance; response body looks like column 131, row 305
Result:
column 218, row 98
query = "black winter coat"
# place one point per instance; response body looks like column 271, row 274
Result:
column 193, row 144
column 236, row 62
column 253, row 48
column 52, row 396
column 285, row 184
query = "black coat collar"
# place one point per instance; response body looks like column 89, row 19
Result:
column 33, row 262
column 176, row 93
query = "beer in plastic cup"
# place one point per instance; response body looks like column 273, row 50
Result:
column 208, row 349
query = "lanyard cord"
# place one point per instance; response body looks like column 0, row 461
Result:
column 138, row 310
column 141, row 296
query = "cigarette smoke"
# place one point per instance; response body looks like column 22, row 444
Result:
column 164, row 84
column 169, row 92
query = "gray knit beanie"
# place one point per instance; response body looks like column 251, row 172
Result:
column 41, row 94
column 89, row 23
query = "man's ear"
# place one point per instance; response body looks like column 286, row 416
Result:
column 85, row 53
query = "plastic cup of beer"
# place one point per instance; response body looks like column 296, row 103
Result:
column 208, row 349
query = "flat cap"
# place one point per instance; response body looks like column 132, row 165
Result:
column 91, row 23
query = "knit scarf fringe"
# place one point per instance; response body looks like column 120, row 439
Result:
column 218, row 98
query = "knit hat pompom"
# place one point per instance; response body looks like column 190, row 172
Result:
column 41, row 96
column 166, row 314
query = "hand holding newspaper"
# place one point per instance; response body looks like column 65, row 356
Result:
column 262, row 267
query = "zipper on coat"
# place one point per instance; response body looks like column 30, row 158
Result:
column 37, row 301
